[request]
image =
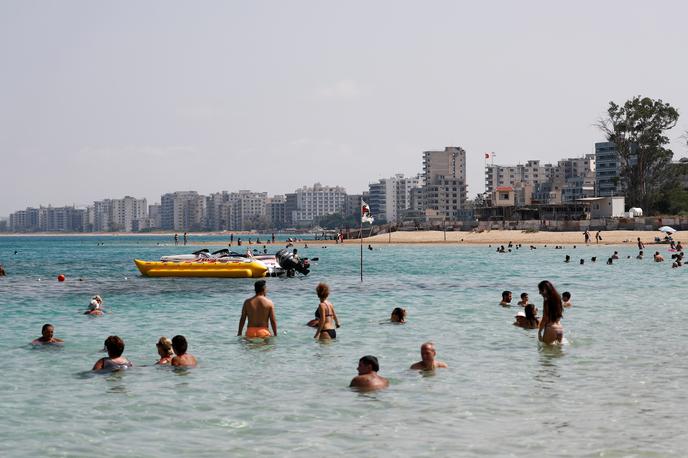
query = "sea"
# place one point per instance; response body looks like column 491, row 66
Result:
column 616, row 388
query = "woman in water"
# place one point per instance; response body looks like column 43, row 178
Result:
column 164, row 346
column 529, row 320
column 328, row 317
column 115, row 360
column 550, row 330
column 398, row 315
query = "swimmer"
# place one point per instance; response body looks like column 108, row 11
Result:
column 566, row 299
column 593, row 259
column 528, row 319
column 258, row 310
column 428, row 361
column 567, row 258
column 582, row 261
column 398, row 315
column 182, row 358
column 367, row 378
column 610, row 261
column 2, row 269
column 615, row 255
column 94, row 309
column 47, row 336
column 640, row 255
column 506, row 299
column 115, row 360
column 164, row 347
column 658, row 257
column 328, row 317
column 550, row 329
column 524, row 300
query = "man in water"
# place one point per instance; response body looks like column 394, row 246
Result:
column 182, row 358
column 524, row 300
column 47, row 336
column 658, row 257
column 641, row 245
column 258, row 310
column 640, row 255
column 367, row 378
column 506, row 299
column 566, row 299
column 428, row 361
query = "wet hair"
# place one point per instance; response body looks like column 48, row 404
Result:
column 524, row 295
column 179, row 344
column 553, row 308
column 46, row 326
column 259, row 286
column 530, row 313
column 505, row 294
column 115, row 346
column 165, row 344
column 323, row 291
column 370, row 361
column 566, row 295
column 399, row 313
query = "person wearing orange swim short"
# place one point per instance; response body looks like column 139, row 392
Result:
column 258, row 310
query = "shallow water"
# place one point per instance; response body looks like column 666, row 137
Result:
column 614, row 390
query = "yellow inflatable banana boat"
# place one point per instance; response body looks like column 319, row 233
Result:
column 205, row 268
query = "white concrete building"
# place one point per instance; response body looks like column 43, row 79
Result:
column 305, row 205
column 390, row 197
column 444, row 182
column 182, row 211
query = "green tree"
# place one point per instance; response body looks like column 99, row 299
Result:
column 638, row 129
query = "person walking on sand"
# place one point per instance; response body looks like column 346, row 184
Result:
column 598, row 237
column 428, row 361
column 258, row 310
column 367, row 378
column 587, row 236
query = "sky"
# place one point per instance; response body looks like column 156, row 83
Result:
column 106, row 99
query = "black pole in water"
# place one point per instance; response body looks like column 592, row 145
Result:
column 361, row 236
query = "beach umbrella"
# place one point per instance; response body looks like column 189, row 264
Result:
column 667, row 229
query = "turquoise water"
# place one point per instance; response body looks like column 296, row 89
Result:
column 616, row 389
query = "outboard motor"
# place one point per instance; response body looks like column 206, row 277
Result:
column 290, row 261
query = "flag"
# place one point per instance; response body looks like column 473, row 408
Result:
column 487, row 155
column 366, row 217
column 490, row 155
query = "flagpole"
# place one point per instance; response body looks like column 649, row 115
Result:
column 361, row 235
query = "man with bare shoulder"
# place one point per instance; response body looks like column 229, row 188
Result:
column 367, row 378
column 181, row 358
column 258, row 310
column 47, row 336
column 428, row 361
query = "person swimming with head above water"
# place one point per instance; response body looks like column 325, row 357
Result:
column 367, row 378
column 94, row 308
column 47, row 332
column 566, row 299
column 428, row 361
column 182, row 358
column 550, row 329
column 527, row 319
column 164, row 347
column 258, row 310
column 398, row 315
column 115, row 360
column 327, row 315
column 506, row 299
column 524, row 300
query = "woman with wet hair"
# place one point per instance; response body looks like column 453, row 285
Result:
column 550, row 330
column 326, row 315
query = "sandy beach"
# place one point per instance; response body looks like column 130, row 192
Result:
column 525, row 238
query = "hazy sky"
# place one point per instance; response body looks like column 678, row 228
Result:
column 106, row 99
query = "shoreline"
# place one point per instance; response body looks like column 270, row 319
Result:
column 617, row 237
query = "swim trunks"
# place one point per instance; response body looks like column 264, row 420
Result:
column 258, row 332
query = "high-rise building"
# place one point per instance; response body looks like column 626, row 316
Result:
column 444, row 178
column 183, row 211
column 390, row 197
column 275, row 211
column 531, row 173
column 48, row 219
column 305, row 205
column 112, row 215
column 607, row 170
column 240, row 210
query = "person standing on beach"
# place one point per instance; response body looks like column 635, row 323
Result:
column 587, row 236
column 428, row 361
column 258, row 310
column 367, row 378
column 598, row 237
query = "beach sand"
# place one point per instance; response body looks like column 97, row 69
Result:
column 503, row 237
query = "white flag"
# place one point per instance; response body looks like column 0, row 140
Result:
column 366, row 217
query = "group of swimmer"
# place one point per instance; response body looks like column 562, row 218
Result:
column 258, row 313
column 550, row 330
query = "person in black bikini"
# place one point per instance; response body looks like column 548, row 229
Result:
column 327, row 315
